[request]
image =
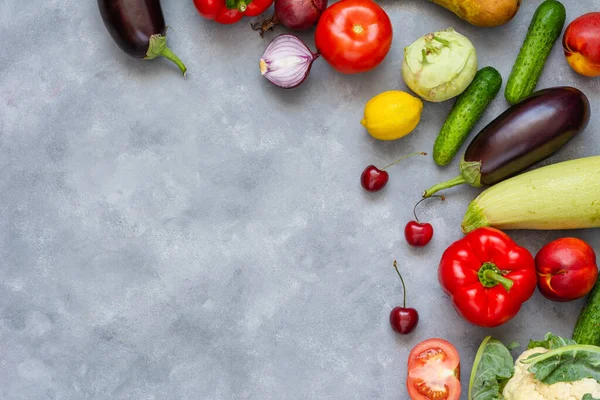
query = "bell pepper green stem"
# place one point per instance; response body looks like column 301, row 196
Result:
column 459, row 180
column 490, row 276
column 241, row 6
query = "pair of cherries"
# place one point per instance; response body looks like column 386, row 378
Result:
column 373, row 179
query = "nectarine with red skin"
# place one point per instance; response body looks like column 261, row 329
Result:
column 566, row 269
column 581, row 44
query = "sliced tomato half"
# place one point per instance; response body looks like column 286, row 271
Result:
column 434, row 371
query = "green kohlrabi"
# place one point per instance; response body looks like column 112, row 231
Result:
column 439, row 65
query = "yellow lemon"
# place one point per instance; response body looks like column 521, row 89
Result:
column 391, row 115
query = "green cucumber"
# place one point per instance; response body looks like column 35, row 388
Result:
column 465, row 113
column 587, row 328
column 545, row 27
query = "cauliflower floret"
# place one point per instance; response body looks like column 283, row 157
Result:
column 523, row 385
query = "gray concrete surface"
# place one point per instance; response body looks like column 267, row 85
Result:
column 208, row 238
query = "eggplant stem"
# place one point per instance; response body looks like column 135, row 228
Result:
column 158, row 48
column 169, row 55
column 459, row 180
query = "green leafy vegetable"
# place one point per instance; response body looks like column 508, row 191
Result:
column 551, row 342
column 492, row 367
column 513, row 345
column 588, row 397
column 566, row 364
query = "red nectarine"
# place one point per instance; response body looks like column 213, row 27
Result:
column 581, row 44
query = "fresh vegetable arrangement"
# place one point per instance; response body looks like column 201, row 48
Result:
column 485, row 274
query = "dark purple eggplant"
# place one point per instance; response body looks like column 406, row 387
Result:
column 138, row 27
column 525, row 134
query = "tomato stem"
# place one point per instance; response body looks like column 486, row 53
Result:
column 401, row 280
column 402, row 158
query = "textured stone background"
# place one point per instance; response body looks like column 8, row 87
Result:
column 208, row 238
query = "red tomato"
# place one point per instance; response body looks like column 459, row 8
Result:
column 354, row 35
column 434, row 371
column 566, row 269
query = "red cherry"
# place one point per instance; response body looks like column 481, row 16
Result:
column 374, row 179
column 403, row 319
column 418, row 234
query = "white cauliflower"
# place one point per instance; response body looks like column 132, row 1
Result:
column 523, row 385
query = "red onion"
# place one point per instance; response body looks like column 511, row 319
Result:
column 286, row 61
column 293, row 14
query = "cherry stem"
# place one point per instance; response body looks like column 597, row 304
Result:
column 442, row 197
column 401, row 280
column 406, row 156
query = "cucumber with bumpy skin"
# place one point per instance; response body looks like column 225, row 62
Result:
column 587, row 328
column 465, row 113
column 545, row 27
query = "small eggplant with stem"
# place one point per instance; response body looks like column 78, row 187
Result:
column 138, row 27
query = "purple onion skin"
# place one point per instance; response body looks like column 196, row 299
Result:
column 299, row 14
column 291, row 75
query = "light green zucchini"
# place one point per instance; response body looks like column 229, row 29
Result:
column 565, row 195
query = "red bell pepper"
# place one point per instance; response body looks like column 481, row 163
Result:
column 487, row 276
column 231, row 11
